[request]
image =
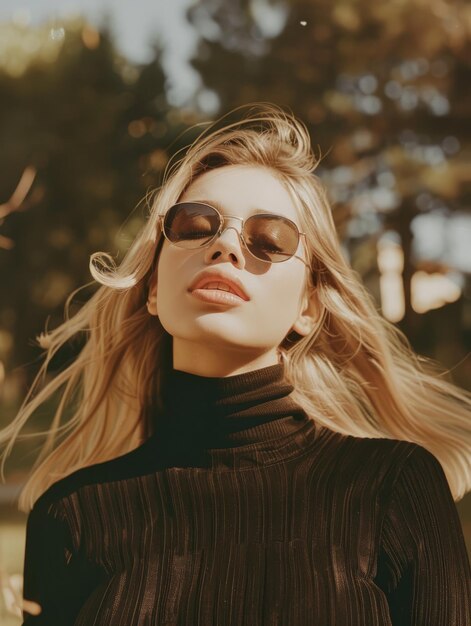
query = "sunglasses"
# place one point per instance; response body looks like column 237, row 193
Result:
column 268, row 237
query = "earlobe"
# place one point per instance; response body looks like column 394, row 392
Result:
column 307, row 318
column 303, row 325
column 152, row 299
column 152, row 306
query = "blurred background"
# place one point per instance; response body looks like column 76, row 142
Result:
column 95, row 96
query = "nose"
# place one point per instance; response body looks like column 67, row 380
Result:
column 228, row 242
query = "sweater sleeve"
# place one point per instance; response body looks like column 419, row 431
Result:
column 424, row 567
column 53, row 576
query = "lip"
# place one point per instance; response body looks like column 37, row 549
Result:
column 220, row 277
column 216, row 296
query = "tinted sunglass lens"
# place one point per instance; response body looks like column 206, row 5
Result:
column 268, row 237
column 272, row 239
column 190, row 225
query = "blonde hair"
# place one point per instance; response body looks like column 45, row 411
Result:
column 355, row 373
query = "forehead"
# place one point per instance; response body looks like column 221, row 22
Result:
column 242, row 190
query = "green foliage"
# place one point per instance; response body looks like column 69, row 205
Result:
column 98, row 131
column 383, row 90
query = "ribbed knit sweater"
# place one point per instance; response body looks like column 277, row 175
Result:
column 240, row 510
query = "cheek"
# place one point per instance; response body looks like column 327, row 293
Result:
column 288, row 289
column 280, row 303
column 167, row 285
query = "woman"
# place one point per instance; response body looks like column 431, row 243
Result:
column 252, row 443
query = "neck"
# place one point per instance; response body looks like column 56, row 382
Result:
column 203, row 413
column 202, row 360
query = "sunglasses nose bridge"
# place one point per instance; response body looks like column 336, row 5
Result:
column 224, row 225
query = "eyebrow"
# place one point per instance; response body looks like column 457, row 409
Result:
column 218, row 206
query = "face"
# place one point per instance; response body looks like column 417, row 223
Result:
column 212, row 339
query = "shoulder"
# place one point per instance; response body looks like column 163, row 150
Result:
column 393, row 449
column 128, row 465
column 381, row 467
column 378, row 456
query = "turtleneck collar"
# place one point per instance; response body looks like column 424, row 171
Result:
column 229, row 421
column 233, row 402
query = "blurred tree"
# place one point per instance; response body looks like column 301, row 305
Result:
column 382, row 88
column 98, row 131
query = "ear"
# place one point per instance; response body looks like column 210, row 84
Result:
column 152, row 295
column 308, row 315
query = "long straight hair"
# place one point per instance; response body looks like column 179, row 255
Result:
column 355, row 373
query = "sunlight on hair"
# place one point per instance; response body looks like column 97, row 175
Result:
column 355, row 373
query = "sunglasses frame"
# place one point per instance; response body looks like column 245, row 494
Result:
column 222, row 219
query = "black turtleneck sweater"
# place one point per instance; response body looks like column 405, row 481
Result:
column 240, row 510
